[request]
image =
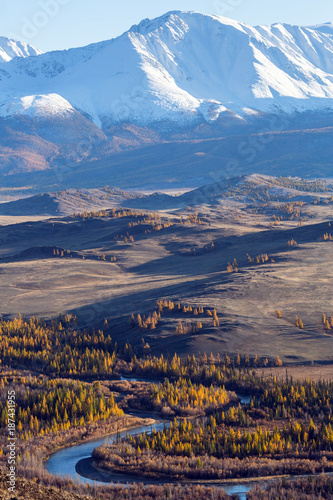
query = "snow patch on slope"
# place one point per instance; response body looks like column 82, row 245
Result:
column 37, row 106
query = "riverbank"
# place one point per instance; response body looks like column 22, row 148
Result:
column 31, row 490
column 89, row 469
column 145, row 464
column 101, row 431
column 62, row 489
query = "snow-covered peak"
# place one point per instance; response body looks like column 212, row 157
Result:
column 180, row 18
column 11, row 48
column 181, row 67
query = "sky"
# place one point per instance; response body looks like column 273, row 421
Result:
column 61, row 24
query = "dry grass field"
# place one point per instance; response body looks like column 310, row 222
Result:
column 67, row 264
column 302, row 372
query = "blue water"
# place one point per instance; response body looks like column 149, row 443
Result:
column 63, row 462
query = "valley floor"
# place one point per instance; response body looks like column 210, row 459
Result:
column 246, row 254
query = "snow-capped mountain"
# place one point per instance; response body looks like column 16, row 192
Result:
column 10, row 49
column 323, row 28
column 181, row 67
column 183, row 75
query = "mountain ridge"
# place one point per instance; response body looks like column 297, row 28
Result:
column 13, row 48
column 181, row 75
column 182, row 65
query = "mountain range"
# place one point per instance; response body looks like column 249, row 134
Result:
column 184, row 81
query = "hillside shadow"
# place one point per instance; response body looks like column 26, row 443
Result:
column 227, row 248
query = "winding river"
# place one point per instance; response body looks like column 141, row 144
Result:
column 75, row 462
column 67, row 461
